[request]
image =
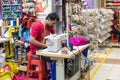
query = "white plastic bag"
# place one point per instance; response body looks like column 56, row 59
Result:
column 2, row 59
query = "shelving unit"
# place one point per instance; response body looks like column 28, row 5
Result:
column 11, row 11
column 112, row 3
column 94, row 24
column 105, row 25
column 108, row 3
column 11, row 4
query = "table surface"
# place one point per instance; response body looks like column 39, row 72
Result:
column 76, row 50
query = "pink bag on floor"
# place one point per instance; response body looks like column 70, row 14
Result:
column 21, row 77
column 77, row 41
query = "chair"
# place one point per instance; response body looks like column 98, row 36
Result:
column 34, row 67
column 114, row 38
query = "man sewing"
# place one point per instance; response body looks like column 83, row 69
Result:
column 39, row 30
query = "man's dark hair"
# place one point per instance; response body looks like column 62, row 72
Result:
column 53, row 16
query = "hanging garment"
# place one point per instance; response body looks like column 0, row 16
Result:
column 116, row 14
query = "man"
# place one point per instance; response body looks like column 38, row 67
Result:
column 38, row 31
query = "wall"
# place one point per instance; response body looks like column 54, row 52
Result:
column 43, row 8
column 90, row 3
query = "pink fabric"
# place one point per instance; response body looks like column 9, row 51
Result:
column 78, row 41
column 22, row 77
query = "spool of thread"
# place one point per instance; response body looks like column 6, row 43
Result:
column 0, row 22
column 64, row 43
column 70, row 46
column 17, row 22
column 3, row 22
column 11, row 22
column 6, row 23
column 14, row 23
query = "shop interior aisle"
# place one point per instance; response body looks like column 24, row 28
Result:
column 108, row 67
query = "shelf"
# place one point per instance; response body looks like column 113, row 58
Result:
column 10, row 18
column 104, row 38
column 113, row 5
column 58, row 5
column 104, row 26
column 105, row 32
column 9, row 26
column 11, row 4
column 22, row 68
column 10, row 14
column 12, row 60
column 112, row 1
column 12, row 11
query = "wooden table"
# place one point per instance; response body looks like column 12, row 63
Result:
column 59, row 57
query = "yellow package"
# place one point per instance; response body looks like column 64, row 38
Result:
column 5, row 74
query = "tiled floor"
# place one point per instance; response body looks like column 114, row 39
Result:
column 110, row 69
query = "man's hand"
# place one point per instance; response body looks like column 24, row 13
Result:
column 44, row 46
column 37, row 43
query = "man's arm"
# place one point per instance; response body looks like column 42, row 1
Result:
column 37, row 43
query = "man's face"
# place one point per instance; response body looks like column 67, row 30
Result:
column 51, row 23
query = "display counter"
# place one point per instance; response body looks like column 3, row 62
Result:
column 59, row 57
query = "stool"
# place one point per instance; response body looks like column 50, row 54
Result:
column 34, row 66
column 114, row 38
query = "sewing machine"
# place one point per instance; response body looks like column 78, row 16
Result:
column 53, row 41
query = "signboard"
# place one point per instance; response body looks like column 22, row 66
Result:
column 44, row 7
